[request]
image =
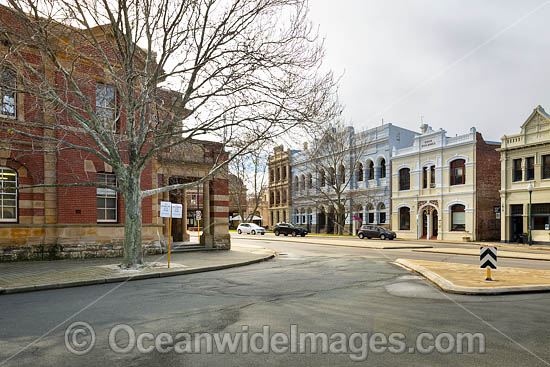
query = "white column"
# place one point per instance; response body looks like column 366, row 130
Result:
column 429, row 226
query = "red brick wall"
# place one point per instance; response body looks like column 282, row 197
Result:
column 487, row 189
column 219, row 186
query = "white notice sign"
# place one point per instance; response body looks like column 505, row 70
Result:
column 177, row 210
column 198, row 215
column 165, row 207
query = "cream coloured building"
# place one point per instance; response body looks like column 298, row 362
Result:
column 525, row 159
column 446, row 188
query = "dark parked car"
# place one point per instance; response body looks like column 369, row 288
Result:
column 375, row 232
column 287, row 228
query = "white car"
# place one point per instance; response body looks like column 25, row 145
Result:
column 250, row 228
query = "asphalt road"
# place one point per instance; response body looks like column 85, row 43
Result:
column 320, row 289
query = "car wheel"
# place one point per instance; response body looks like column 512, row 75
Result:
column 361, row 235
column 382, row 237
column 286, row 234
column 293, row 233
column 368, row 238
column 253, row 232
column 239, row 231
column 391, row 239
column 263, row 233
column 276, row 233
column 303, row 235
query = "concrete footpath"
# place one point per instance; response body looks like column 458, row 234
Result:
column 337, row 241
column 522, row 254
column 470, row 279
column 29, row 276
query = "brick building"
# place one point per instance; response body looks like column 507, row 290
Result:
column 85, row 221
column 279, row 186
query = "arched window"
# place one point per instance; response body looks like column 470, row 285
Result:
column 370, row 214
column 272, row 198
column 332, row 176
column 404, row 219
column 271, row 175
column 458, row 173
column 458, row 218
column 8, row 195
column 309, row 181
column 296, row 184
column 342, row 172
column 360, row 172
column 278, row 174
column 404, row 179
column 382, row 168
column 322, row 178
column 371, row 170
column 381, row 213
column 303, row 183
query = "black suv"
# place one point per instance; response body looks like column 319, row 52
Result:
column 375, row 232
column 287, row 228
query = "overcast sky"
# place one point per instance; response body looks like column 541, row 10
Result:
column 458, row 63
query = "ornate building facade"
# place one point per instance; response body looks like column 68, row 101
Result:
column 446, row 188
column 367, row 193
column 525, row 160
column 279, row 186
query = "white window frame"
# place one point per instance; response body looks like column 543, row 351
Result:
column 105, row 106
column 2, row 219
column 104, row 193
column 2, row 94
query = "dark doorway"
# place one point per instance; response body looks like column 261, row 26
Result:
column 321, row 222
column 516, row 222
column 434, row 224
column 330, row 224
column 176, row 196
column 516, row 228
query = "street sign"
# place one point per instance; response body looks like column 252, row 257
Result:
column 177, row 210
column 488, row 257
column 165, row 207
column 198, row 215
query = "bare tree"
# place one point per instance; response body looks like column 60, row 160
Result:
column 249, row 185
column 330, row 170
column 244, row 71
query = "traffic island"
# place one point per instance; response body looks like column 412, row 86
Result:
column 40, row 275
column 470, row 279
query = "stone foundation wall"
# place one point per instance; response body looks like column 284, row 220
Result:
column 70, row 251
column 35, row 242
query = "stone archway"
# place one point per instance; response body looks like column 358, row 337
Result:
column 428, row 220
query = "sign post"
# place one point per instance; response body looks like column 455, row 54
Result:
column 169, row 210
column 166, row 212
column 488, row 259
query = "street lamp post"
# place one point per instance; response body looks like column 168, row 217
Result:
column 530, row 189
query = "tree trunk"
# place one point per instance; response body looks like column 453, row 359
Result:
column 133, row 256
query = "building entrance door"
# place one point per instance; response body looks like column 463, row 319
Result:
column 434, row 224
column 516, row 228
